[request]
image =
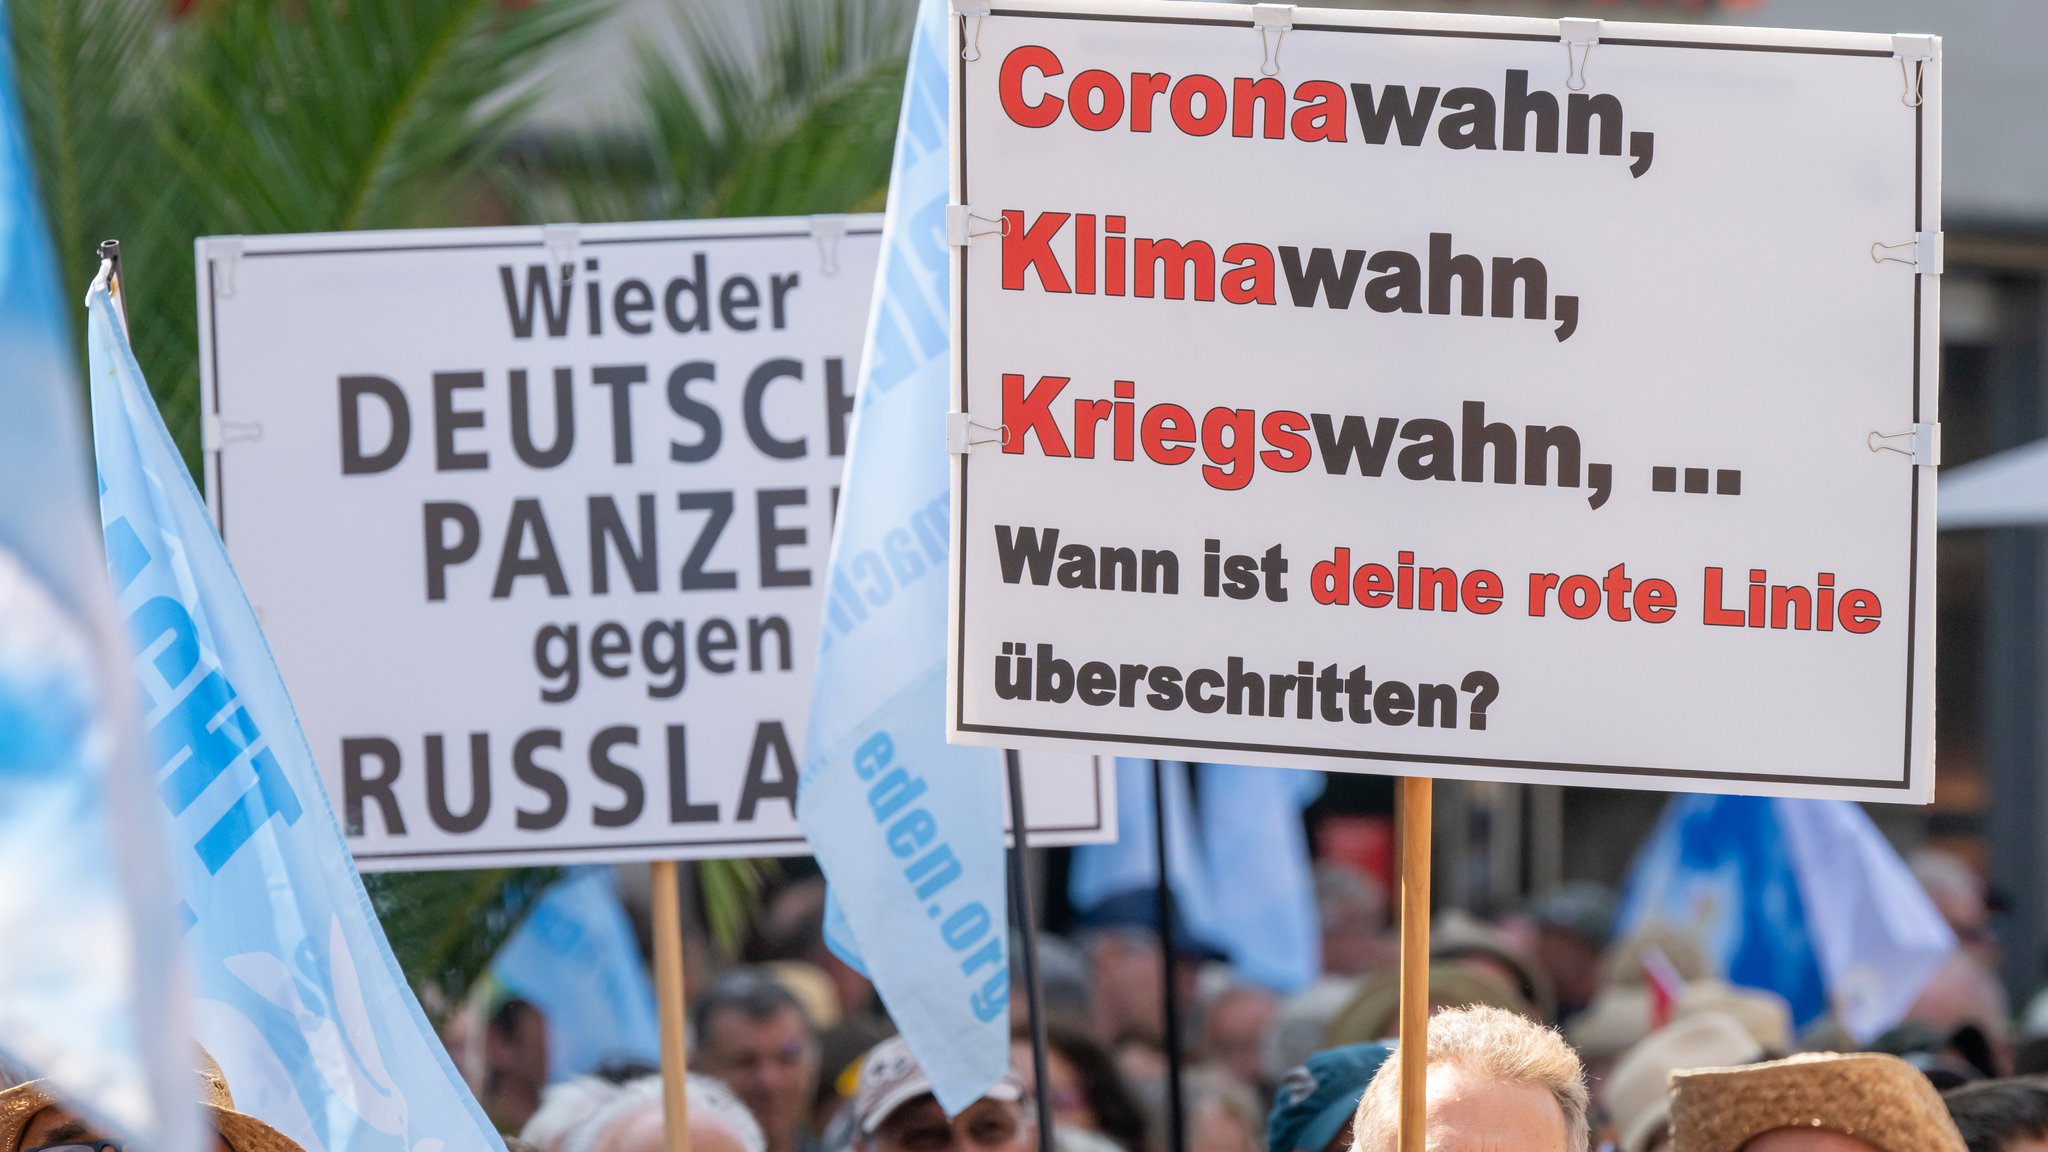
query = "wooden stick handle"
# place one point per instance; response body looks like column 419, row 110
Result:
column 668, row 991
column 1417, row 794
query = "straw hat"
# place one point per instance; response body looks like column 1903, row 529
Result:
column 1638, row 1093
column 243, row 1132
column 1878, row 1099
column 1374, row 1011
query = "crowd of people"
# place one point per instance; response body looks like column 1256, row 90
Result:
column 1551, row 1032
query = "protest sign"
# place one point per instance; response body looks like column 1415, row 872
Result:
column 536, row 520
column 1504, row 399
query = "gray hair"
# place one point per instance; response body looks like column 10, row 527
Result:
column 1499, row 1045
column 708, row 1098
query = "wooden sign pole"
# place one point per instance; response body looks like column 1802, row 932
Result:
column 1417, row 794
column 668, row 992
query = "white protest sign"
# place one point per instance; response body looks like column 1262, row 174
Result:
column 1502, row 399
column 536, row 521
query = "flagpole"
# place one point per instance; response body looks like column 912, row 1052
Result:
column 1027, row 931
column 1417, row 792
column 1176, row 1108
column 668, row 988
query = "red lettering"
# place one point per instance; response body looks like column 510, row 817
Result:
column 1081, row 100
column 1482, row 592
column 1010, row 85
column 1330, row 580
column 1250, row 96
column 1860, row 611
column 1213, row 105
column 1030, row 414
column 1032, row 248
column 1288, row 449
column 1325, row 113
column 1146, row 87
column 1656, row 601
column 1711, row 610
column 1252, row 281
column 1167, row 429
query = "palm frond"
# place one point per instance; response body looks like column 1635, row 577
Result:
column 788, row 108
column 444, row 927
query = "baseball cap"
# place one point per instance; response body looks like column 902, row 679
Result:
column 1316, row 1100
column 891, row 1077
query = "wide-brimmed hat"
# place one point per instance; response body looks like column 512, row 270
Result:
column 1638, row 1091
column 1881, row 1100
column 1764, row 1015
column 243, row 1132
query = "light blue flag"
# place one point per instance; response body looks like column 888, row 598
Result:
column 1131, row 863
column 1242, row 879
column 296, row 993
column 1804, row 898
column 907, row 828
column 90, row 998
column 1261, row 881
column 574, row 957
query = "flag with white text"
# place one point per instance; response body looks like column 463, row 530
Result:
column 296, row 992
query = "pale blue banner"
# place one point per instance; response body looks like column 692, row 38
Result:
column 907, row 828
column 90, row 999
column 574, row 957
column 297, row 994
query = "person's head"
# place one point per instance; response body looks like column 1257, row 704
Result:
column 1962, row 898
column 1352, row 908
column 1234, row 1026
column 1815, row 1102
column 1065, row 983
column 1574, row 925
column 1964, row 992
column 1314, row 1103
column 752, row 1033
column 31, row 1117
column 2001, row 1115
column 894, row 1110
column 793, row 928
column 1223, row 1112
column 1636, row 1097
column 515, row 1062
column 631, row 1119
column 1497, row 1080
column 1083, row 1085
column 1121, row 938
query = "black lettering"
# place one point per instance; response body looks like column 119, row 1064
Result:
column 719, row 505
column 355, row 461
column 540, row 779
column 357, row 785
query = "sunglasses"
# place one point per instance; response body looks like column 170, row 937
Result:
column 80, row 1146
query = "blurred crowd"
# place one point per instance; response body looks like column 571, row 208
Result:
column 1630, row 1043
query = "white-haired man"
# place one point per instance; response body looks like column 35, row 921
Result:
column 1496, row 1081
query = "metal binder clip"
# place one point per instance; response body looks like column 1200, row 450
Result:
column 1922, row 443
column 226, row 252
column 1579, row 34
column 561, row 241
column 1913, row 53
column 828, row 230
column 216, row 433
column 1273, row 22
column 961, row 225
column 1923, row 251
column 971, row 16
column 962, row 433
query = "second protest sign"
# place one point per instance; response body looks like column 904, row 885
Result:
column 536, row 521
